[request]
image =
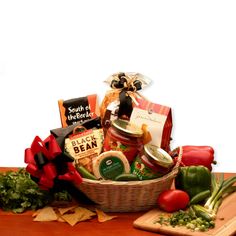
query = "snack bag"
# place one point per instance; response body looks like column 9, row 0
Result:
column 158, row 120
column 84, row 146
column 78, row 109
column 62, row 133
column 82, row 141
column 119, row 102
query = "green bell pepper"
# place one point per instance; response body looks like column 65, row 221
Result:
column 193, row 179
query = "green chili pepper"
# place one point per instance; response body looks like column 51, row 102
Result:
column 85, row 173
column 200, row 197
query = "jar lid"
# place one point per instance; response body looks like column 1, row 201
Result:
column 127, row 128
column 158, row 155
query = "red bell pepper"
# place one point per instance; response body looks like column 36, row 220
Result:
column 195, row 156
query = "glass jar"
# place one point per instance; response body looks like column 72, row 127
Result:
column 159, row 157
column 125, row 137
column 151, row 163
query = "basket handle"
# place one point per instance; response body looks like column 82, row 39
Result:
column 179, row 159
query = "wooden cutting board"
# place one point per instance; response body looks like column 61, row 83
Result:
column 225, row 224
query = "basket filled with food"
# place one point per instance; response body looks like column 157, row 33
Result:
column 117, row 154
column 123, row 188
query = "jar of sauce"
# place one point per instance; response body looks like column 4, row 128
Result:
column 152, row 163
column 125, row 137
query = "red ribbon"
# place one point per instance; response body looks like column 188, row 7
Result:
column 46, row 175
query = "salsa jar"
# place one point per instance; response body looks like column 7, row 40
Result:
column 151, row 163
column 125, row 137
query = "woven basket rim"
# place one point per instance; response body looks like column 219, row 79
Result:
column 140, row 182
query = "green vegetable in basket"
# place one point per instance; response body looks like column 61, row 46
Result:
column 85, row 173
column 127, row 177
column 193, row 179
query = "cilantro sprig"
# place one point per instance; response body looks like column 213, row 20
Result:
column 18, row 192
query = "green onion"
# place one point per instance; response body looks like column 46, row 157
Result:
column 187, row 219
column 202, row 212
column 216, row 185
column 220, row 189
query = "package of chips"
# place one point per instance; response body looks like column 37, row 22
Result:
column 62, row 133
column 85, row 146
column 78, row 109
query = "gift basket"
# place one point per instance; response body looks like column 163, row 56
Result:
column 117, row 154
column 128, row 196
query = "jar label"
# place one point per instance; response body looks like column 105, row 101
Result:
column 129, row 151
column 142, row 171
column 111, row 167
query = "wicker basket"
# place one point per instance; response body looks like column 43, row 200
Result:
column 128, row 196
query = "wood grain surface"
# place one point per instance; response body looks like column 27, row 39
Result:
column 225, row 223
column 22, row 224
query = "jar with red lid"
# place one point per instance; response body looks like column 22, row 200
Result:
column 125, row 137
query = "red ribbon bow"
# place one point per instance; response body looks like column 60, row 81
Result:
column 46, row 173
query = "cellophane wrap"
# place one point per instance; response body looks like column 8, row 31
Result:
column 119, row 101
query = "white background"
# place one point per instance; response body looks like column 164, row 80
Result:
column 65, row 49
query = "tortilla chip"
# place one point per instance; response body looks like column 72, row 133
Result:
column 80, row 214
column 46, row 214
column 85, row 211
column 36, row 213
column 146, row 134
column 70, row 219
column 102, row 216
column 60, row 219
column 64, row 210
